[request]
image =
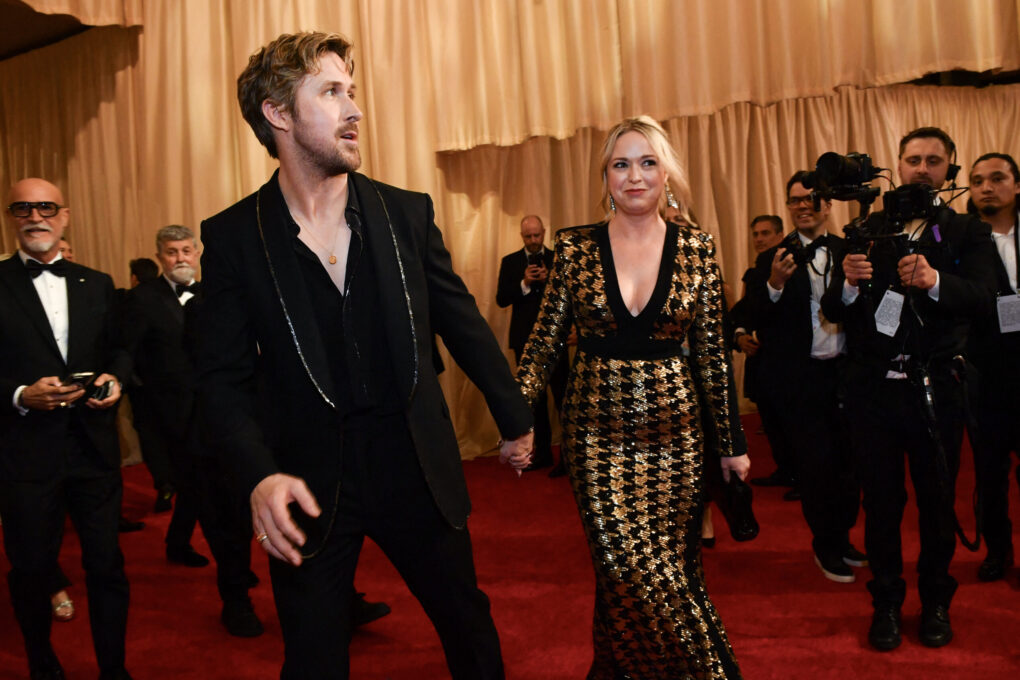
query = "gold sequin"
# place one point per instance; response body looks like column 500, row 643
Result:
column 633, row 445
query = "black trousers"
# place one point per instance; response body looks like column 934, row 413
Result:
column 777, row 436
column 812, row 419
column 383, row 495
column 543, row 429
column 887, row 420
column 155, row 453
column 225, row 516
column 997, row 435
column 33, row 514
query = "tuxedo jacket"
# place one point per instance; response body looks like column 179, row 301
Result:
column 996, row 355
column 154, row 335
column 28, row 352
column 961, row 249
column 258, row 333
column 784, row 326
column 523, row 308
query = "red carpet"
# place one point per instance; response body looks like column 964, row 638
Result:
column 785, row 620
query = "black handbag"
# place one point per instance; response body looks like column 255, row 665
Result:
column 734, row 500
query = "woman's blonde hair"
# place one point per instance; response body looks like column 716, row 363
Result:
column 676, row 178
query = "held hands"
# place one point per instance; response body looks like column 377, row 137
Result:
column 783, row 267
column 517, row 452
column 747, row 344
column 741, row 465
column 114, row 392
column 857, row 268
column 274, row 528
column 915, row 271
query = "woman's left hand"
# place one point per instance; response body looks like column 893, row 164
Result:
column 739, row 464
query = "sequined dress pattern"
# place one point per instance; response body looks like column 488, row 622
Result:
column 633, row 446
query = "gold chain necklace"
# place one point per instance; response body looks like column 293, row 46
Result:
column 331, row 251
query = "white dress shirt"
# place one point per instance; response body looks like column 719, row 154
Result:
column 52, row 291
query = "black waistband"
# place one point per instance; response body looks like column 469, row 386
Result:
column 617, row 347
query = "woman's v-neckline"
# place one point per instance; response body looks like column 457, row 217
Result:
column 662, row 279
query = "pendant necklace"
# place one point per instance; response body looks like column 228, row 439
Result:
column 331, row 251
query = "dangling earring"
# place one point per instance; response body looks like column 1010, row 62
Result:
column 612, row 203
column 671, row 199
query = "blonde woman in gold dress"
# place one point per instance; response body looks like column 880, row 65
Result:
column 636, row 286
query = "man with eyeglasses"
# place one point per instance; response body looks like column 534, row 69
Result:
column 59, row 453
column 801, row 355
column 907, row 298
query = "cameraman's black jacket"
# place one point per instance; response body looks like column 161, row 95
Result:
column 965, row 258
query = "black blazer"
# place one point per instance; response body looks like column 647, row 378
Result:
column 258, row 330
column 154, row 335
column 996, row 355
column 524, row 308
column 964, row 255
column 784, row 327
column 28, row 351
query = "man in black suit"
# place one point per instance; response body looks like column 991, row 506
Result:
column 994, row 348
column 801, row 354
column 163, row 398
column 59, row 452
column 322, row 293
column 522, row 277
column 766, row 233
column 906, row 303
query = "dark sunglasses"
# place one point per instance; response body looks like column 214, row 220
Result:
column 25, row 208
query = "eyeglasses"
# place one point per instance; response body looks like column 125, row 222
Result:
column 25, row 208
column 794, row 201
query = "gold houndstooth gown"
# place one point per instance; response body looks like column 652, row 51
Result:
column 633, row 446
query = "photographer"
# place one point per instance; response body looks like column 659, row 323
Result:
column 906, row 294
column 799, row 358
column 994, row 347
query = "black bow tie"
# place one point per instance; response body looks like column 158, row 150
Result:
column 819, row 242
column 35, row 268
column 184, row 288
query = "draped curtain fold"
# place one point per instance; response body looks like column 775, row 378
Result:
column 498, row 109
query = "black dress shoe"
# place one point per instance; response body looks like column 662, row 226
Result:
column 363, row 612
column 935, row 628
column 777, row 478
column 884, row 633
column 559, row 470
column 994, row 567
column 164, row 499
column 240, row 619
column 186, row 556
column 126, row 525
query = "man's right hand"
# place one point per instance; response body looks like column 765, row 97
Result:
column 783, row 267
column 270, row 517
column 46, row 394
column 747, row 344
column 856, row 268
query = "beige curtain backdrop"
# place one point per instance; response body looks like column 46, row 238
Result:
column 497, row 109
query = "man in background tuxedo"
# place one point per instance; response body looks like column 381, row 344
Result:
column 766, row 233
column 994, row 349
column 801, row 354
column 163, row 398
column 322, row 292
column 59, row 452
column 522, row 277
column 906, row 303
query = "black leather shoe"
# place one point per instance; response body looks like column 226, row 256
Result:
column 994, row 567
column 164, row 499
column 126, row 526
column 884, row 633
column 935, row 628
column 363, row 612
column 777, row 478
column 186, row 556
column 240, row 619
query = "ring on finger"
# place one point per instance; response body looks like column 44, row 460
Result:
column 262, row 538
